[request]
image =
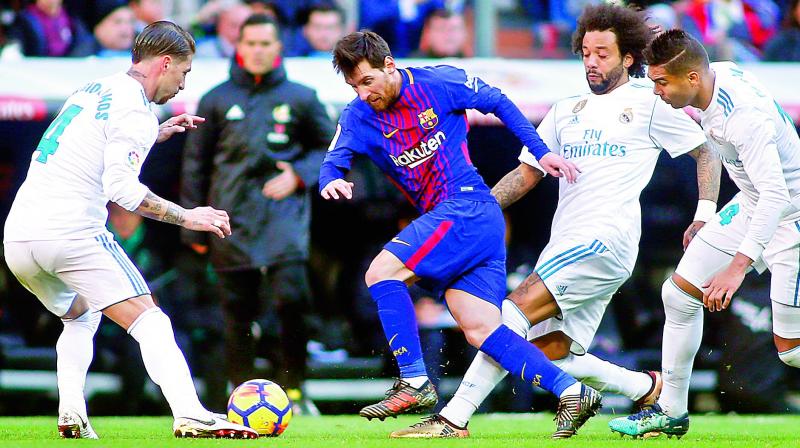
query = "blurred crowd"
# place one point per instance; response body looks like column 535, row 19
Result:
column 341, row 321
column 740, row 30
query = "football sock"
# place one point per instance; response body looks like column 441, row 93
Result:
column 396, row 312
column 74, row 351
column 605, row 376
column 683, row 332
column 483, row 374
column 526, row 361
column 165, row 363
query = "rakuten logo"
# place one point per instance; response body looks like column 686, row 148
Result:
column 414, row 157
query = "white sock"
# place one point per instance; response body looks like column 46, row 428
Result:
column 605, row 376
column 683, row 332
column 74, row 350
column 483, row 374
column 575, row 389
column 416, row 381
column 165, row 363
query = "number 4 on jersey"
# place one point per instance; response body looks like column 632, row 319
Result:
column 49, row 142
column 726, row 215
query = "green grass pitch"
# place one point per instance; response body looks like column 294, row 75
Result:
column 492, row 430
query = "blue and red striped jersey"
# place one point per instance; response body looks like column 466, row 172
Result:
column 420, row 142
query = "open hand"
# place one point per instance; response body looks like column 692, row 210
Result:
column 176, row 125
column 690, row 232
column 337, row 187
column 283, row 185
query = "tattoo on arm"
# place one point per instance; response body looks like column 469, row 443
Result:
column 515, row 184
column 160, row 209
column 709, row 169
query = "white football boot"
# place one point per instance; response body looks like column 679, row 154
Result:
column 211, row 426
column 73, row 426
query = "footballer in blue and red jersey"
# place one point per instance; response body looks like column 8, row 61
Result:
column 420, row 143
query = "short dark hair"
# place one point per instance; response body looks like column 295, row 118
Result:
column 304, row 15
column 629, row 25
column 677, row 51
column 358, row 46
column 162, row 38
column 261, row 19
column 440, row 13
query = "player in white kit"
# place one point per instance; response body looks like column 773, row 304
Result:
column 57, row 245
column 614, row 135
column 758, row 229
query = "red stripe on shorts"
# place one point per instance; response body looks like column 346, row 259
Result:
column 429, row 244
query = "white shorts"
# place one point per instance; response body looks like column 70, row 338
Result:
column 716, row 243
column 96, row 269
column 582, row 276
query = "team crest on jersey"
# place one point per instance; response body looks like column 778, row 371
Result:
column 282, row 114
column 579, row 107
column 626, row 116
column 134, row 159
column 428, row 119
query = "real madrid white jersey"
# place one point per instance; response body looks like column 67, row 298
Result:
column 760, row 149
column 615, row 140
column 91, row 153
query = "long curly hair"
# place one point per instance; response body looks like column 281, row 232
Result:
column 628, row 24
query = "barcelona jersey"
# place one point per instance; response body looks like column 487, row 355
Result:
column 420, row 143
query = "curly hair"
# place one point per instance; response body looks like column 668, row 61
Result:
column 627, row 24
column 677, row 52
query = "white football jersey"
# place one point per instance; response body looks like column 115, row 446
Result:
column 90, row 154
column 759, row 147
column 615, row 140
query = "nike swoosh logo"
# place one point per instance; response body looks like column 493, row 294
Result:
column 389, row 135
column 399, row 241
column 392, row 339
column 207, row 423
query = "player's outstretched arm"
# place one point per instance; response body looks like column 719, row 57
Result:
column 516, row 184
column 204, row 219
column 709, row 169
column 336, row 187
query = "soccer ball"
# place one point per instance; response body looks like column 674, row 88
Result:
column 261, row 405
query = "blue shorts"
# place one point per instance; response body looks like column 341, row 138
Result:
column 457, row 245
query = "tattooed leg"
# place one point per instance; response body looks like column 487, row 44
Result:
column 534, row 299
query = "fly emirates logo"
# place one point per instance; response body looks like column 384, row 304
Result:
column 414, row 157
column 593, row 145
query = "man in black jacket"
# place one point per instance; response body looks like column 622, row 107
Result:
column 257, row 156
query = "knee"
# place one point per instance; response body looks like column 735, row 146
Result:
column 89, row 320
column 373, row 275
column 677, row 299
column 380, row 269
column 790, row 358
column 477, row 334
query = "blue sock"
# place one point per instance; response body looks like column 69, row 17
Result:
column 525, row 360
column 399, row 325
